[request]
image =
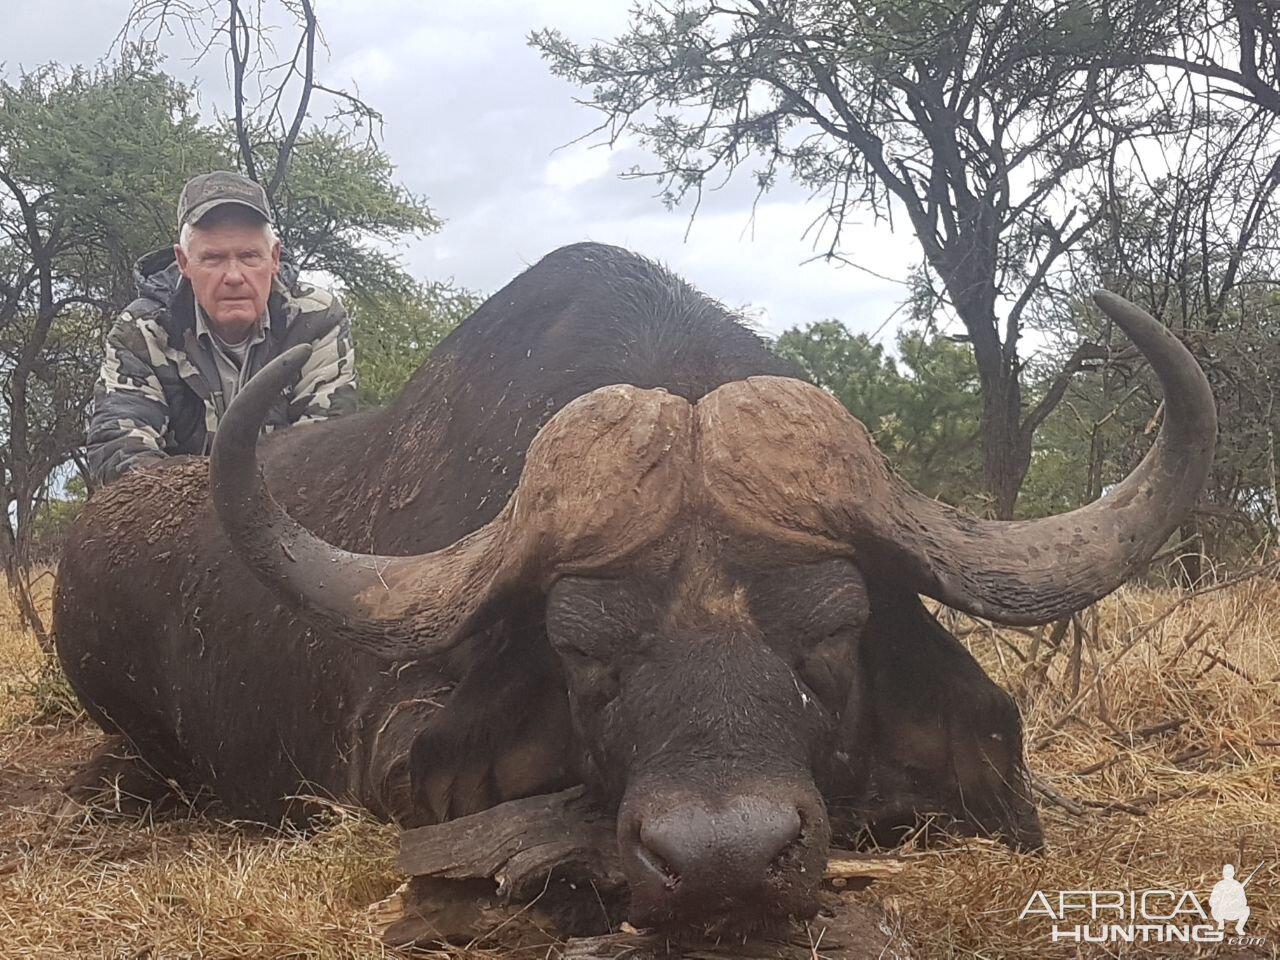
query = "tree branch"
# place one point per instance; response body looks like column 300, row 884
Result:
column 304, row 98
column 238, row 26
column 1084, row 353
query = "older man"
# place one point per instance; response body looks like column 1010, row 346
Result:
column 211, row 311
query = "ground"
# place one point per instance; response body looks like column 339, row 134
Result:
column 1153, row 732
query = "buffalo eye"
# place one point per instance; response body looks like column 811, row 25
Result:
column 812, row 615
column 587, row 670
column 826, row 668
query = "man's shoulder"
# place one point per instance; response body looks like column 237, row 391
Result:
column 307, row 299
column 312, row 313
column 141, row 326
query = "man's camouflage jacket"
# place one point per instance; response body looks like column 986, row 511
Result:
column 159, row 393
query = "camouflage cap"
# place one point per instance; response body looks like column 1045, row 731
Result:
column 208, row 190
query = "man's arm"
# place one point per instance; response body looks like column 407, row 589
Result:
column 130, row 413
column 327, row 387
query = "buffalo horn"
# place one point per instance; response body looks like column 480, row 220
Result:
column 602, row 481
column 1035, row 571
column 409, row 605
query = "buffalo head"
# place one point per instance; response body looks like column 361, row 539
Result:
column 728, row 590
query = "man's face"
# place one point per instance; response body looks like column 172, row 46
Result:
column 230, row 266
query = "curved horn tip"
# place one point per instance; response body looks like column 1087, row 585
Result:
column 1122, row 310
column 295, row 358
column 1105, row 298
column 236, row 440
column 284, row 371
column 966, row 563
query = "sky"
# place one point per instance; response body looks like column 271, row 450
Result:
column 476, row 123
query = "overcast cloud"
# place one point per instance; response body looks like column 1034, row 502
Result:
column 474, row 120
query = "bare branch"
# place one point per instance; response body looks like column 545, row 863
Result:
column 238, row 34
column 300, row 115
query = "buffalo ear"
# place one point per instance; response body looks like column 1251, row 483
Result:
column 391, row 755
column 931, row 733
column 504, row 733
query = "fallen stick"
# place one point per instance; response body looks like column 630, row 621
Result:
column 1140, row 806
column 850, row 932
column 1117, row 805
column 1226, row 665
column 1049, row 793
column 519, row 844
column 1142, row 733
column 1195, row 753
column 528, row 873
column 850, row 866
column 1099, row 766
column 1050, row 729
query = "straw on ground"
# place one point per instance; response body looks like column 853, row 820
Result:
column 1155, row 737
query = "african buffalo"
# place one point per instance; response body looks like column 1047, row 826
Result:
column 600, row 537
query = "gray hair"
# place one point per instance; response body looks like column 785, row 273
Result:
column 184, row 236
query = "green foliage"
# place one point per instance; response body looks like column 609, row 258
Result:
column 45, row 687
column 852, row 367
column 89, row 161
column 106, row 148
column 52, row 520
column 98, row 157
column 922, row 409
column 1108, row 419
column 395, row 331
column 340, row 209
column 975, row 123
column 936, row 431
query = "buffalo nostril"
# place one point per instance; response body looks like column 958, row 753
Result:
column 733, row 844
column 662, row 871
column 706, row 855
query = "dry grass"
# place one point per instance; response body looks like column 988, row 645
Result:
column 1164, row 809
column 79, row 885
